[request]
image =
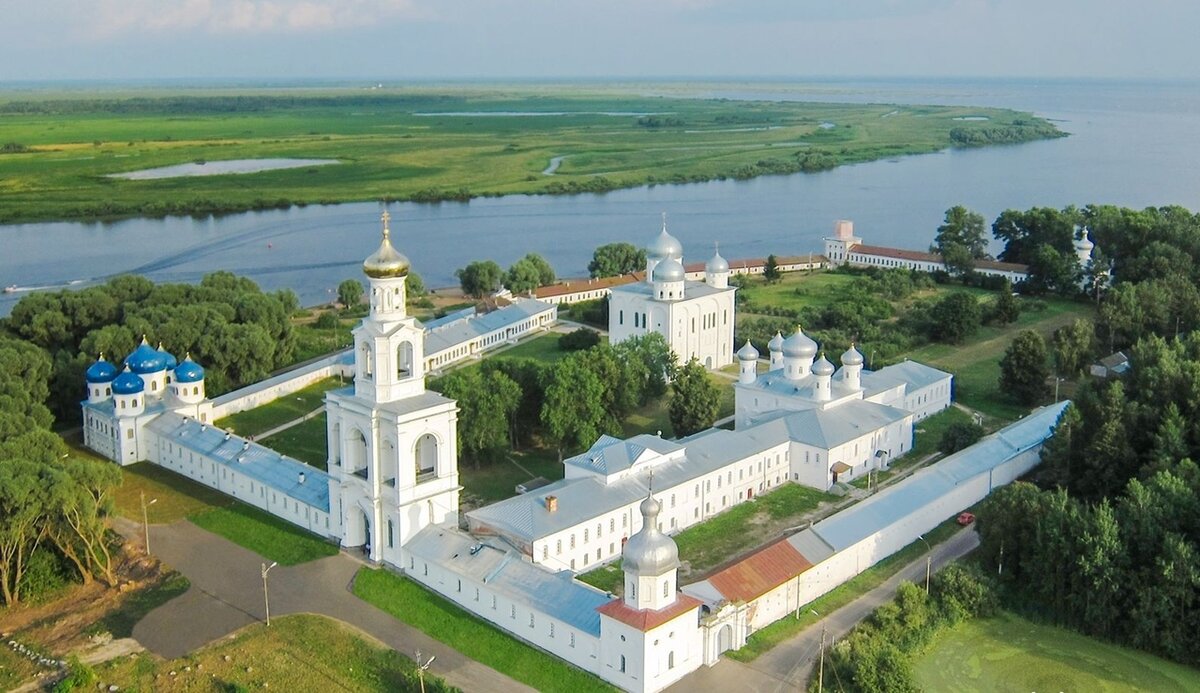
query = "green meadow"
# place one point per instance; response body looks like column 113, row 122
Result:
column 57, row 153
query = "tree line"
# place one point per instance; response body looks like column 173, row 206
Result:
column 236, row 331
column 509, row 403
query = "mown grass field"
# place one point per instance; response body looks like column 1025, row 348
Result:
column 253, row 422
column 407, row 144
column 297, row 653
column 304, row 441
column 441, row 620
column 1010, row 653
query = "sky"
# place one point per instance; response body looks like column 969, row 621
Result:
column 626, row 39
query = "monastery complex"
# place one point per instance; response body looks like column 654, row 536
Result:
column 392, row 486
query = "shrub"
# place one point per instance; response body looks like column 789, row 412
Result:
column 583, row 338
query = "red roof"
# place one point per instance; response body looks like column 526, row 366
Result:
column 760, row 572
column 576, row 286
column 918, row 256
column 645, row 619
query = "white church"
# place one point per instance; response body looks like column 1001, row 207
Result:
column 392, row 487
column 696, row 318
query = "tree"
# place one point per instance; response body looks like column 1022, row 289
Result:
column 78, row 523
column 1005, row 308
column 1074, row 347
column 349, row 293
column 960, row 240
column 480, row 277
column 414, row 286
column 658, row 362
column 615, row 259
column 573, row 411
column 487, row 403
column 530, row 376
column 771, row 270
column 695, row 400
column 578, row 340
column 1023, row 232
column 23, row 508
column 529, row 273
column 955, row 317
column 1023, row 370
column 959, row 436
column 1053, row 270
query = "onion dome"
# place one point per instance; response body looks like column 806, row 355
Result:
column 650, row 552
column 189, row 371
column 716, row 264
column 822, row 366
column 776, row 343
column 1084, row 243
column 128, row 383
column 669, row 270
column 146, row 359
column 748, row 352
column 799, row 345
column 387, row 262
column 852, row 357
column 665, row 245
column 101, row 371
column 171, row 361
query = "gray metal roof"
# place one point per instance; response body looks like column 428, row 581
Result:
column 917, row 375
column 829, row 428
column 455, row 332
column 861, row 520
column 251, row 459
column 609, row 455
column 690, row 289
column 402, row 406
column 503, row 570
column 448, row 318
column 811, row 546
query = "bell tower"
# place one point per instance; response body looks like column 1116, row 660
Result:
column 389, row 346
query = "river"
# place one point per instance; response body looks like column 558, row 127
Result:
column 1131, row 144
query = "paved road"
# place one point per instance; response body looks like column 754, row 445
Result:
column 227, row 594
column 788, row 666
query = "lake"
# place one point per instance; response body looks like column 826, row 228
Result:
column 1131, row 144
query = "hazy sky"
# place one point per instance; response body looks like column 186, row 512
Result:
column 151, row 39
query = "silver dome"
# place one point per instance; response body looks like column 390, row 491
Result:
column 776, row 343
column 852, row 357
column 669, row 270
column 650, row 552
column 716, row 264
column 747, row 352
column 822, row 366
column 799, row 345
column 665, row 245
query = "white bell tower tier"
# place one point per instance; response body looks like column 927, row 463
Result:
column 393, row 460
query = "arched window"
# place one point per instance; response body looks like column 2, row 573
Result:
column 426, row 454
column 404, row 360
column 622, row 664
column 356, row 454
column 368, row 368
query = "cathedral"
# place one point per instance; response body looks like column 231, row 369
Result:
column 696, row 318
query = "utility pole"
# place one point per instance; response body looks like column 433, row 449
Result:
column 421, row 669
column 821, row 666
column 266, row 600
column 928, row 562
column 146, row 519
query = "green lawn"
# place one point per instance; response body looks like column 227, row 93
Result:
column 297, row 653
column 253, row 422
column 268, row 536
column 386, row 149
column 304, row 442
column 542, row 348
column 976, row 363
column 927, row 434
column 763, row 640
column 498, row 480
column 178, row 498
column 441, row 620
column 1010, row 653
column 797, row 289
column 14, row 669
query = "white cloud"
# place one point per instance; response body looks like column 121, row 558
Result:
column 114, row 17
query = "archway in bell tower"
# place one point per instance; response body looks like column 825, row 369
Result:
column 404, row 360
column 426, row 454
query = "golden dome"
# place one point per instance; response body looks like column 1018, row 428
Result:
column 387, row 262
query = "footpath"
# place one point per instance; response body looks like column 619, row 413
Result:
column 227, row 594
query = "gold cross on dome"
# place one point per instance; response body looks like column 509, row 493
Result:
column 386, row 217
